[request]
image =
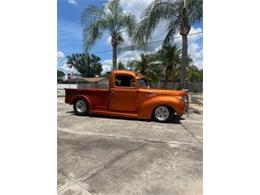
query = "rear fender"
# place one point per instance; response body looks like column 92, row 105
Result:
column 84, row 97
column 146, row 109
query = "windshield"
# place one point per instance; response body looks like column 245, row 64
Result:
column 142, row 83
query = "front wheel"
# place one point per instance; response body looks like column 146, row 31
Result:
column 81, row 107
column 163, row 114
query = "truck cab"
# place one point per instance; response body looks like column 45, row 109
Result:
column 128, row 96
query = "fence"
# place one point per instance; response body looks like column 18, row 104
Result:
column 196, row 102
column 192, row 87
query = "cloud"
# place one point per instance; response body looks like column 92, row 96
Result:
column 61, row 58
column 195, row 49
column 135, row 7
column 60, row 55
column 106, row 65
column 195, row 34
column 73, row 2
column 196, row 53
column 128, row 56
column 65, row 68
column 123, row 57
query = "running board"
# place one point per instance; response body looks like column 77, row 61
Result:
column 114, row 113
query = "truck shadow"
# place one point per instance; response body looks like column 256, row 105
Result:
column 175, row 120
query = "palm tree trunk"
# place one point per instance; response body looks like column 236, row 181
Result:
column 114, row 46
column 167, row 76
column 184, row 31
column 184, row 61
column 114, row 56
column 143, row 68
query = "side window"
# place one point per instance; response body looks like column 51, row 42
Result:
column 124, row 81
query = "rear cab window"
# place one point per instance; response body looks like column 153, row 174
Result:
column 125, row 81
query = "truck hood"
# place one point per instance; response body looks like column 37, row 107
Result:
column 165, row 92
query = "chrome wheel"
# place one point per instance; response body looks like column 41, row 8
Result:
column 162, row 113
column 81, row 106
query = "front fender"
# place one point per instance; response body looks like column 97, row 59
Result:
column 147, row 107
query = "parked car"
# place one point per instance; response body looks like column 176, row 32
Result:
column 128, row 96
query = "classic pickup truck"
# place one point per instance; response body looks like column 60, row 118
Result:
column 128, row 96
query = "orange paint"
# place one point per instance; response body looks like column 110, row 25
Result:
column 128, row 101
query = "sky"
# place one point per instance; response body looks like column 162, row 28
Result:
column 69, row 34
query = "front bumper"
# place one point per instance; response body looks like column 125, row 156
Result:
column 184, row 108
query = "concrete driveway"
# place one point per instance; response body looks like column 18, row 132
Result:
column 103, row 155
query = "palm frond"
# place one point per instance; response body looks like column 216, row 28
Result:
column 120, row 38
column 172, row 29
column 170, row 55
column 111, row 23
column 127, row 21
column 114, row 7
column 93, row 33
column 153, row 14
column 91, row 14
column 195, row 10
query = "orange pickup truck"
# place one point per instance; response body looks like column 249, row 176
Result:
column 128, row 96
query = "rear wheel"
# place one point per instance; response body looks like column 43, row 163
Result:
column 163, row 114
column 81, row 107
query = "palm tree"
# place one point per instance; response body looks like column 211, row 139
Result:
column 121, row 66
column 148, row 66
column 170, row 57
column 107, row 19
column 194, row 74
column 181, row 14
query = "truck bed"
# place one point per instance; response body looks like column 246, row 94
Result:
column 98, row 96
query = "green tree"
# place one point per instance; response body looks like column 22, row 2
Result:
column 194, row 74
column 60, row 73
column 147, row 66
column 121, row 66
column 181, row 14
column 107, row 74
column 170, row 57
column 87, row 65
column 107, row 19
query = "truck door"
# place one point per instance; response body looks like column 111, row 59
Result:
column 123, row 96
